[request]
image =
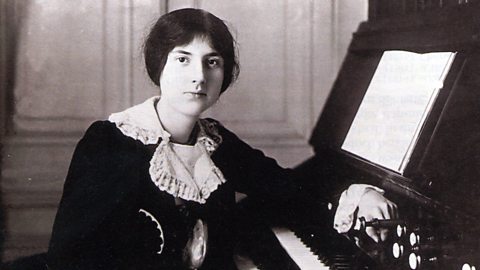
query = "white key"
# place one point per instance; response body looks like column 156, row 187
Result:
column 301, row 255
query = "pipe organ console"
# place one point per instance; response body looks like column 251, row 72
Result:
column 404, row 115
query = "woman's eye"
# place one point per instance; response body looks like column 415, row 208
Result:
column 182, row 59
column 214, row 62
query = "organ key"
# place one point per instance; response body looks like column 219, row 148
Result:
column 297, row 250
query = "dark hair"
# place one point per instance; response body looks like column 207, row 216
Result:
column 179, row 28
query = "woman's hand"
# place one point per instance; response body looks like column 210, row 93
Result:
column 365, row 201
column 373, row 205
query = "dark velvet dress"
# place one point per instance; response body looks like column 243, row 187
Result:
column 99, row 224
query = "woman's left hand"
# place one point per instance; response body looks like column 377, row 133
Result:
column 373, row 205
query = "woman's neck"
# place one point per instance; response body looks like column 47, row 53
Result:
column 179, row 125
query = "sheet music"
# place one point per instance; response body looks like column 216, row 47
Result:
column 398, row 101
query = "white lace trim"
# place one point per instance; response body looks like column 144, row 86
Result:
column 141, row 123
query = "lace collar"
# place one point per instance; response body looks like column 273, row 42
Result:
column 141, row 123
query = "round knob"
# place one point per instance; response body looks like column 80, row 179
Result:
column 414, row 261
column 414, row 239
column 401, row 230
column 397, row 250
column 329, row 206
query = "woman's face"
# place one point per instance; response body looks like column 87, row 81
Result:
column 192, row 78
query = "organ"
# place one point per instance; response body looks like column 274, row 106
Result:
column 404, row 115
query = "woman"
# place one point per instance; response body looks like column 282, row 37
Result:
column 153, row 187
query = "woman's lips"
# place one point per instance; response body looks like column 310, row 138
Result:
column 195, row 94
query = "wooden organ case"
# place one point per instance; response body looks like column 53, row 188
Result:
column 436, row 179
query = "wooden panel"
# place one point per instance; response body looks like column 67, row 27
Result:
column 127, row 82
column 60, row 64
column 272, row 88
column 33, row 172
column 86, row 69
column 37, row 164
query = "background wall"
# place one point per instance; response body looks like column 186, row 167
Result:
column 64, row 64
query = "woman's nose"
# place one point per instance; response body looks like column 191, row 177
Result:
column 198, row 73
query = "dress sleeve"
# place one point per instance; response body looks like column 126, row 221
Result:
column 91, row 194
column 254, row 173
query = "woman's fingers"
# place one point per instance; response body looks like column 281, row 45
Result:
column 392, row 210
column 372, row 233
column 374, row 205
column 383, row 232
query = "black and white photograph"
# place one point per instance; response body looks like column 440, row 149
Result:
column 239, row 134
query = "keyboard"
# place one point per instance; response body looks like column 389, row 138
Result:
column 321, row 248
column 298, row 251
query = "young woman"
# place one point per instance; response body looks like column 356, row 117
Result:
column 153, row 187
